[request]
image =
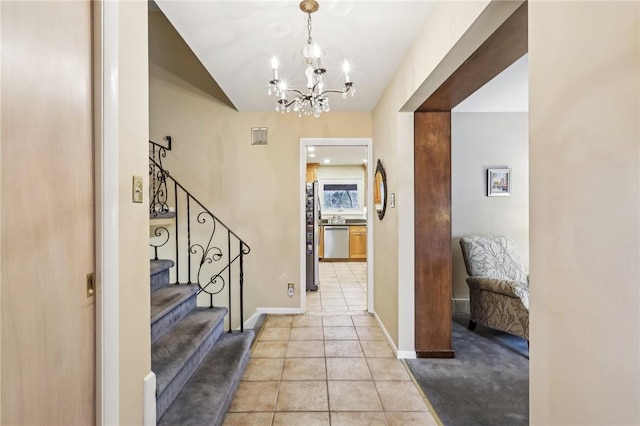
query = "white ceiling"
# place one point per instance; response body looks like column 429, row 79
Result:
column 235, row 41
column 337, row 155
column 507, row 92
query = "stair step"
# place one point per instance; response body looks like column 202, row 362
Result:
column 169, row 305
column 159, row 271
column 177, row 354
column 206, row 397
column 158, row 215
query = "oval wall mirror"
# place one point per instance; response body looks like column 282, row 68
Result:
column 380, row 190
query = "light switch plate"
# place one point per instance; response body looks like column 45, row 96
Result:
column 136, row 190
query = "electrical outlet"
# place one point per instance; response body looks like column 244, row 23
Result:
column 290, row 289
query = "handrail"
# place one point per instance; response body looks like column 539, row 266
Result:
column 162, row 186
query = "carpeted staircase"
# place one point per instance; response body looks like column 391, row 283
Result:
column 198, row 366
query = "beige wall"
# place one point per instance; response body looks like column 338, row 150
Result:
column 480, row 141
column 584, row 138
column 453, row 31
column 135, row 340
column 254, row 189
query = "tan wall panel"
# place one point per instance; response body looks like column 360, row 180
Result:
column 48, row 343
column 584, row 126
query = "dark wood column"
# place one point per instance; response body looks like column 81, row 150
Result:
column 433, row 234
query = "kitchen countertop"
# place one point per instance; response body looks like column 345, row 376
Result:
column 359, row 222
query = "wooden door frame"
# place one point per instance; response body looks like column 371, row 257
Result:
column 432, row 173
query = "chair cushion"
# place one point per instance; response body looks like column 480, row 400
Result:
column 492, row 256
column 509, row 288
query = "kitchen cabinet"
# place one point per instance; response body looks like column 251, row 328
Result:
column 312, row 172
column 357, row 242
column 321, row 247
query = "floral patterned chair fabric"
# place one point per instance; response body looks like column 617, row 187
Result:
column 498, row 286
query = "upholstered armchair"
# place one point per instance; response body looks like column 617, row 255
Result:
column 498, row 286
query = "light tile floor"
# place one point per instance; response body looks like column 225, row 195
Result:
column 343, row 288
column 328, row 367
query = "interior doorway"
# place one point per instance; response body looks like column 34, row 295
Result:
column 336, row 249
column 432, row 165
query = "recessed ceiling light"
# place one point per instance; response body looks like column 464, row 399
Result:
column 327, row 161
column 311, row 148
column 311, row 155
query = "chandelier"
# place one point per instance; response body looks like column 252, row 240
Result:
column 314, row 99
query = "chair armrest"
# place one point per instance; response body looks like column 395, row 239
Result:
column 509, row 288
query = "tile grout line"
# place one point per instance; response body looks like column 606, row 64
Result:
column 422, row 394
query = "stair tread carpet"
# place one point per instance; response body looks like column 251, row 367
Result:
column 206, row 397
column 160, row 265
column 174, row 350
column 160, row 215
column 165, row 299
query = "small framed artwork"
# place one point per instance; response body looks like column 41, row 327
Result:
column 498, row 182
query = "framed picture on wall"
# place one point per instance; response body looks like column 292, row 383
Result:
column 498, row 182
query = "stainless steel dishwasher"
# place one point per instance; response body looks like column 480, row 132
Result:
column 336, row 242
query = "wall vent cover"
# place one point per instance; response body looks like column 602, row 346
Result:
column 258, row 136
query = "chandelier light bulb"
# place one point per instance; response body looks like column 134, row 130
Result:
column 346, row 67
column 274, row 65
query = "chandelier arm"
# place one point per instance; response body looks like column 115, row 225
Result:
column 330, row 91
column 297, row 91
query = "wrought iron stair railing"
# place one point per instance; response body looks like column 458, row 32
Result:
column 205, row 251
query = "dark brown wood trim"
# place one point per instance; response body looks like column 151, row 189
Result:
column 433, row 264
column 435, row 354
column 505, row 46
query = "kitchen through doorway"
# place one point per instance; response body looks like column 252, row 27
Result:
column 336, row 238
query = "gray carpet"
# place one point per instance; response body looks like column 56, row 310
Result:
column 487, row 383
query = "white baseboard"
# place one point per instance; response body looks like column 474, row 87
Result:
column 460, row 306
column 399, row 354
column 253, row 319
column 280, row 311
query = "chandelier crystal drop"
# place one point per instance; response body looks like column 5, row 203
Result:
column 313, row 100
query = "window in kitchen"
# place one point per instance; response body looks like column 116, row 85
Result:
column 341, row 197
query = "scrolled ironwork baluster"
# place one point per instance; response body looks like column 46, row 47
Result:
column 158, row 232
column 241, row 289
column 189, row 240
column 211, row 277
column 175, row 200
column 229, row 275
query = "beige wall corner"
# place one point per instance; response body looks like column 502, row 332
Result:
column 135, row 340
column 585, row 221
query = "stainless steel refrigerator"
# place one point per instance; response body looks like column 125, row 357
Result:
column 312, row 235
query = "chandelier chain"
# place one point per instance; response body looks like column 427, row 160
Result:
column 309, row 40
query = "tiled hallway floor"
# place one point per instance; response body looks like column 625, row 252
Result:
column 343, row 287
column 331, row 366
